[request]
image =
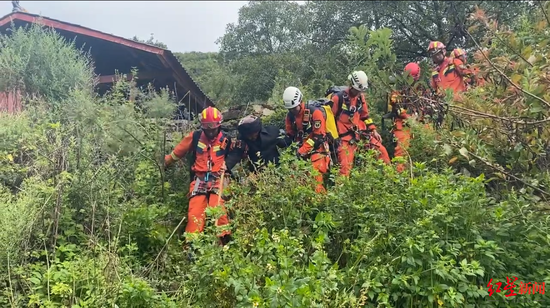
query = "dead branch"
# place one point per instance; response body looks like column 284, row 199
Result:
column 487, row 115
column 150, row 267
column 501, row 169
column 543, row 11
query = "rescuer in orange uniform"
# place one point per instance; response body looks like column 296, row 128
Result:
column 306, row 125
column 208, row 147
column 351, row 112
column 449, row 72
column 401, row 132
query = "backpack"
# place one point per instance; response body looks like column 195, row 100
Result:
column 193, row 153
column 325, row 105
column 342, row 97
column 334, row 89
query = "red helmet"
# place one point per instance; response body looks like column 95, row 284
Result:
column 413, row 69
column 211, row 118
column 436, row 47
column 458, row 52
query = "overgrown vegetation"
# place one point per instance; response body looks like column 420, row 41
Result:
column 86, row 207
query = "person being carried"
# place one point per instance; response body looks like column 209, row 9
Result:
column 399, row 104
column 306, row 125
column 351, row 113
column 208, row 147
column 259, row 143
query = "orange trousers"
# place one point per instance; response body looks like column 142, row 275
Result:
column 383, row 152
column 403, row 137
column 196, row 216
column 346, row 154
column 321, row 163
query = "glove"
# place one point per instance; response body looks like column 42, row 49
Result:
column 168, row 160
column 299, row 155
column 376, row 135
column 226, row 181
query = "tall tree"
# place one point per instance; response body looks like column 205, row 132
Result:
column 265, row 27
column 309, row 41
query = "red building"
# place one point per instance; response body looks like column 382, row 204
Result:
column 117, row 54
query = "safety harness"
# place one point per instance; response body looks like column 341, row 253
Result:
column 307, row 127
column 344, row 106
column 317, row 141
column 206, row 184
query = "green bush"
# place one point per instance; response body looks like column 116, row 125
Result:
column 378, row 238
column 38, row 61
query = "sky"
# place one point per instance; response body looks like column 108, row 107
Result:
column 182, row 25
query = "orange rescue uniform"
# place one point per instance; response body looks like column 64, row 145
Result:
column 352, row 116
column 401, row 133
column 309, row 129
column 205, row 187
column 449, row 75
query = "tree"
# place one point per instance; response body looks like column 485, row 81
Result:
column 207, row 70
column 265, row 27
column 268, row 27
column 39, row 62
column 415, row 23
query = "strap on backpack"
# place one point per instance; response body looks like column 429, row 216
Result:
column 226, row 144
column 196, row 137
column 344, row 98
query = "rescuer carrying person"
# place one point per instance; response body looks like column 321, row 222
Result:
column 257, row 142
column 449, row 72
column 208, row 147
column 351, row 113
column 400, row 101
column 306, row 125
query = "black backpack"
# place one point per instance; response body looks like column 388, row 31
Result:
column 334, row 89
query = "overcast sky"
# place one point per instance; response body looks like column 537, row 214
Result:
column 182, row 25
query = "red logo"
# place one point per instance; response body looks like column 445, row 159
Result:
column 524, row 287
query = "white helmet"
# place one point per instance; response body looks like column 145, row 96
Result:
column 292, row 97
column 359, row 80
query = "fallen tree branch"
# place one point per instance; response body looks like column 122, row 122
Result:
column 150, row 267
column 521, row 213
column 543, row 11
column 500, row 169
column 486, row 115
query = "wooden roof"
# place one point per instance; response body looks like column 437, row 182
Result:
column 113, row 53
